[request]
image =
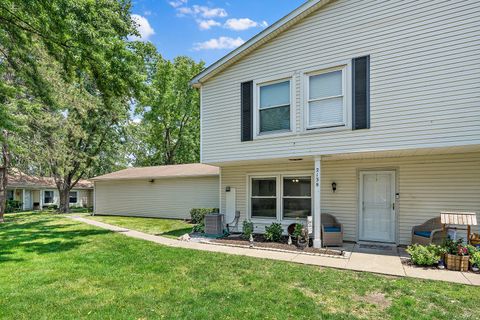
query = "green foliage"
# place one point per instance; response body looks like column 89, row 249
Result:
column 455, row 247
column 475, row 258
column 198, row 214
column 170, row 113
column 200, row 227
column 273, row 232
column 424, row 255
column 13, row 206
column 297, row 232
column 247, row 229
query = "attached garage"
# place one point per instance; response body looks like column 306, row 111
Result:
column 160, row 191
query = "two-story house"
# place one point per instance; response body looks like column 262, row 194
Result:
column 366, row 110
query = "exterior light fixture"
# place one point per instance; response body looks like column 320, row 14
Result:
column 334, row 186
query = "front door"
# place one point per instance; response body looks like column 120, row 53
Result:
column 377, row 206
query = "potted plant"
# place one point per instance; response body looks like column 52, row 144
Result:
column 302, row 238
column 474, row 253
column 457, row 257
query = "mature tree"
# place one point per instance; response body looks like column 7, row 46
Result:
column 85, row 42
column 170, row 127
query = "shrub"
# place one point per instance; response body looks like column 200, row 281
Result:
column 273, row 232
column 247, row 229
column 199, row 228
column 198, row 214
column 475, row 258
column 13, row 206
column 424, row 255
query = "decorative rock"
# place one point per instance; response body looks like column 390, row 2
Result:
column 185, row 237
column 289, row 240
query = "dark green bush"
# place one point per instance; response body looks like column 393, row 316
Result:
column 198, row 214
column 13, row 206
column 199, row 228
column 247, row 229
column 273, row 232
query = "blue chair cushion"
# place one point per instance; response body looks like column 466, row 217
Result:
column 331, row 229
column 425, row 234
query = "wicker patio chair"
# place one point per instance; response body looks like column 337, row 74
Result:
column 332, row 231
column 429, row 232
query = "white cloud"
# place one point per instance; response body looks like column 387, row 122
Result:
column 264, row 24
column 240, row 24
column 219, row 43
column 177, row 3
column 143, row 27
column 207, row 24
column 201, row 11
column 207, row 12
column 147, row 13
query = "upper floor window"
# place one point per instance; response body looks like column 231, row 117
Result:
column 326, row 99
column 274, row 107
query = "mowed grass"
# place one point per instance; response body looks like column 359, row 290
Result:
column 163, row 227
column 55, row 268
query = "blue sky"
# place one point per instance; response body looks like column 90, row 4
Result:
column 202, row 29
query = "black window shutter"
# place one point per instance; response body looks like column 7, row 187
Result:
column 247, row 110
column 361, row 93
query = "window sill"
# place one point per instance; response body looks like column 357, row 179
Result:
column 273, row 134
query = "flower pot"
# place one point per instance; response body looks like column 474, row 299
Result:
column 475, row 268
column 302, row 243
column 457, row 263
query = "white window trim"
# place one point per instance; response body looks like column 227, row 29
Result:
column 279, row 192
column 296, row 197
column 256, row 102
column 346, row 84
column 53, row 197
column 76, row 191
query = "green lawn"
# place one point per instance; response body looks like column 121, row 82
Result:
column 165, row 227
column 56, row 268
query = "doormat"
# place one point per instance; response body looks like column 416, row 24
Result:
column 376, row 247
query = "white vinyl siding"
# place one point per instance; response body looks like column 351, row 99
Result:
column 426, row 186
column 424, row 80
column 164, row 198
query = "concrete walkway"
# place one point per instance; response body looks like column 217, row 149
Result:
column 358, row 257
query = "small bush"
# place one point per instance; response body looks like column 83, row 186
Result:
column 13, row 206
column 424, row 255
column 198, row 214
column 247, row 229
column 475, row 258
column 273, row 232
column 199, row 228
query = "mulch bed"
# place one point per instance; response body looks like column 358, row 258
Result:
column 260, row 241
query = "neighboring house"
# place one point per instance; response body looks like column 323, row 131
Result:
column 367, row 110
column 161, row 191
column 35, row 193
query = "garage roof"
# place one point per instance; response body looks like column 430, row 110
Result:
column 158, row 172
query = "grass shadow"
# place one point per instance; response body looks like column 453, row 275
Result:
column 42, row 236
column 176, row 233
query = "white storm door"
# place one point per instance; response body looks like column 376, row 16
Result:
column 377, row 206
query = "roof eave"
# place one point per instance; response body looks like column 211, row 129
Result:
column 156, row 177
column 257, row 40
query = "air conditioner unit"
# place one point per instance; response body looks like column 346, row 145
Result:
column 214, row 225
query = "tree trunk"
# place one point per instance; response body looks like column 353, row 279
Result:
column 64, row 193
column 3, row 175
column 3, row 192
